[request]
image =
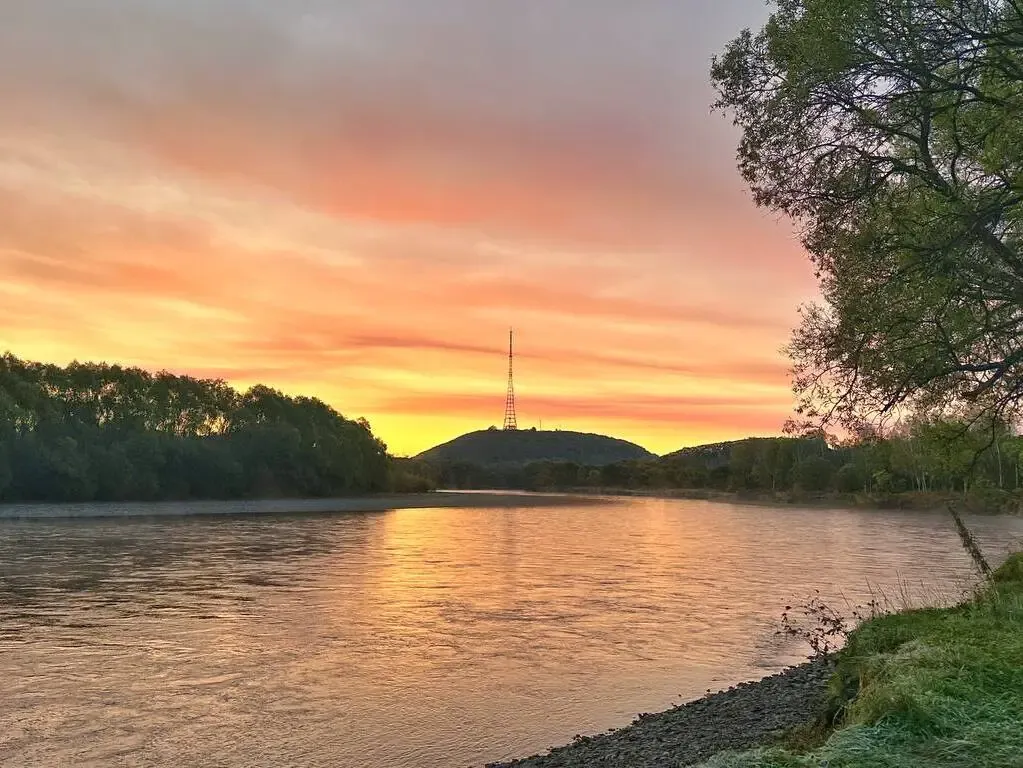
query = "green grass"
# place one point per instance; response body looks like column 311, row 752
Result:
column 936, row 688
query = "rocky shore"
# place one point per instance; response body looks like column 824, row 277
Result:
column 744, row 716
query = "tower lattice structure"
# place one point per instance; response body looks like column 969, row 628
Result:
column 510, row 421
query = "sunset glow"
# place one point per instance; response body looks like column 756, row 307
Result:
column 356, row 201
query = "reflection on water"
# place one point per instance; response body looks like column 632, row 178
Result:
column 431, row 637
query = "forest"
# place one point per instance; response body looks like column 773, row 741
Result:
column 97, row 432
column 932, row 456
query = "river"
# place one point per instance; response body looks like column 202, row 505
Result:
column 416, row 638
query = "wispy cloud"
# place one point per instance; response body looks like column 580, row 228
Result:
column 357, row 199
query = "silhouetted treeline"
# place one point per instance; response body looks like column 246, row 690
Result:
column 523, row 446
column 105, row 432
column 924, row 455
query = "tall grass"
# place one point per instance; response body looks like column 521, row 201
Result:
column 928, row 688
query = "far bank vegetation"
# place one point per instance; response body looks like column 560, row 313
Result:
column 922, row 463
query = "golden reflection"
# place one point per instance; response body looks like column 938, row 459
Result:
column 414, row 638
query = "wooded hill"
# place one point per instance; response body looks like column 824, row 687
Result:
column 510, row 448
column 925, row 455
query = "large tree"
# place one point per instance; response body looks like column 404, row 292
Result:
column 891, row 131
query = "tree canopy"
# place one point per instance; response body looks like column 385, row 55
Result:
column 891, row 131
column 105, row 432
column 925, row 454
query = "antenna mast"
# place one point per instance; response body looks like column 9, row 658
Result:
column 510, row 421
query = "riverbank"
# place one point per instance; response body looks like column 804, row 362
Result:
column 941, row 688
column 990, row 502
column 479, row 499
column 741, row 717
column 378, row 503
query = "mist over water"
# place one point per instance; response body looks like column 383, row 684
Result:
column 416, row 638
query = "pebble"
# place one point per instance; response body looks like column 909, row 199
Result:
column 742, row 717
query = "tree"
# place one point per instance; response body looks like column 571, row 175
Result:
column 850, row 478
column 99, row 431
column 6, row 476
column 766, row 464
column 741, row 462
column 891, row 132
column 813, row 474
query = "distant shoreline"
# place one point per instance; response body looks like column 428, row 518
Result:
column 478, row 499
column 37, row 510
column 914, row 501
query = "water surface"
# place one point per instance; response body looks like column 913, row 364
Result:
column 415, row 638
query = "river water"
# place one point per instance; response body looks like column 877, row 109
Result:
column 417, row 638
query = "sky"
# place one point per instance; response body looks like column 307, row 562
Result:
column 355, row 200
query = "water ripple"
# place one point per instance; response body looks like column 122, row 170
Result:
column 416, row 638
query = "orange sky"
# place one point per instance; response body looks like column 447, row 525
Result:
column 356, row 199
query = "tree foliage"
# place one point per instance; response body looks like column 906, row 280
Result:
column 106, row 432
column 923, row 455
column 892, row 132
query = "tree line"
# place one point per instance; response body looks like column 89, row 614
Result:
column 106, row 432
column 91, row 431
column 932, row 455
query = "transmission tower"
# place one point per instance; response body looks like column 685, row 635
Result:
column 509, row 403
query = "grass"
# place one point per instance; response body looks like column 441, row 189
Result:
column 933, row 688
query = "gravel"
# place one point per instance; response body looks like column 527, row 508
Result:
column 742, row 717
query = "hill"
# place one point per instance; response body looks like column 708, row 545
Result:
column 519, row 447
column 713, row 455
column 710, row 454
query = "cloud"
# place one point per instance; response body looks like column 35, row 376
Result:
column 678, row 416
column 536, row 116
column 571, row 405
column 359, row 198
